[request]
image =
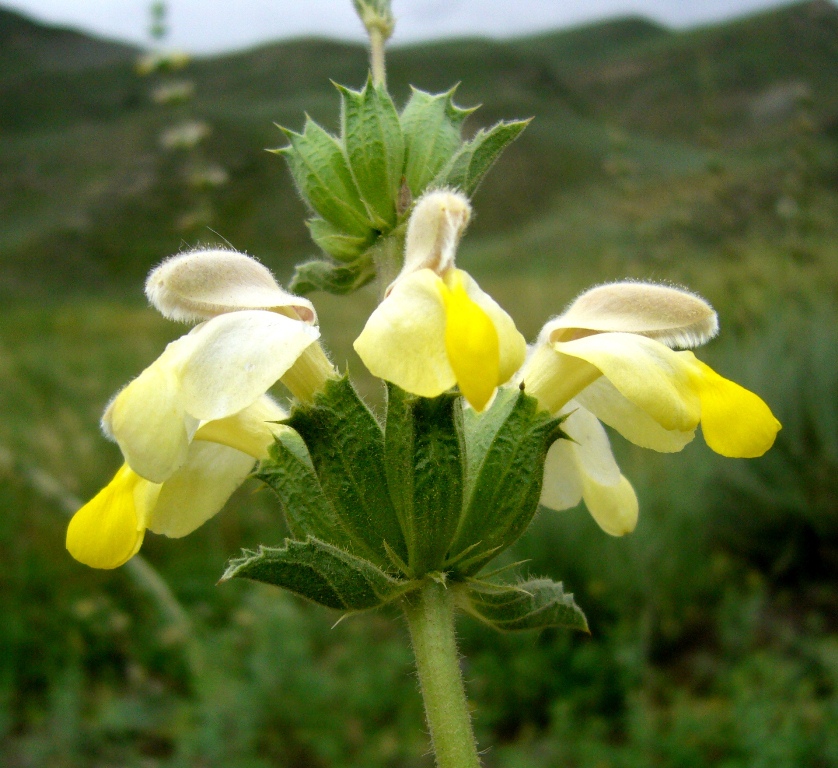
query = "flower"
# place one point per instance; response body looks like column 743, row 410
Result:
column 436, row 327
column 191, row 425
column 610, row 353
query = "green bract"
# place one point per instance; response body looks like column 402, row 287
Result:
column 436, row 492
column 360, row 185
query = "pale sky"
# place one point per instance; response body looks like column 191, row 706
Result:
column 213, row 26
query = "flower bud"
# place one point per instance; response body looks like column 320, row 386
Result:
column 203, row 284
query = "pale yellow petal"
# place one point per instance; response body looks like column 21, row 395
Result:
column 234, row 358
column 512, row 345
column 673, row 316
column 633, row 423
column 614, row 507
column 562, row 485
column 735, row 422
column 554, row 379
column 649, row 374
column 250, row 431
column 106, row 532
column 199, row 489
column 404, row 338
column 148, row 421
column 202, row 284
column 590, row 445
column 471, row 343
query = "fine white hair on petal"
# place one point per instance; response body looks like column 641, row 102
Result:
column 437, row 223
column 673, row 316
column 202, row 284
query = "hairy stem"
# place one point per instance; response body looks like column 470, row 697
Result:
column 430, row 616
column 379, row 72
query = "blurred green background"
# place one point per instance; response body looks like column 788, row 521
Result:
column 707, row 158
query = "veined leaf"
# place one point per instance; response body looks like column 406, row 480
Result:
column 321, row 573
column 535, row 604
column 473, row 160
column 346, row 446
column 322, row 175
column 338, row 279
column 289, row 472
column 424, row 472
column 505, row 472
column 337, row 243
column 375, row 149
column 431, row 124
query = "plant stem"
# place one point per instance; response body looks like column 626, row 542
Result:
column 430, row 616
column 379, row 72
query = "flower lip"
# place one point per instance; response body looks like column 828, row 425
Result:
column 203, row 284
column 673, row 316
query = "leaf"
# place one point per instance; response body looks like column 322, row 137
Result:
column 375, row 149
column 337, row 243
column 431, row 125
column 505, row 469
column 338, row 279
column 346, row 446
column 289, row 472
column 467, row 168
column 535, row 604
column 321, row 573
column 424, row 473
column 322, row 175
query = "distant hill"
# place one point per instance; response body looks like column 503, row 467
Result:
column 88, row 200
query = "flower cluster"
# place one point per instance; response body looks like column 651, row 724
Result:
column 194, row 422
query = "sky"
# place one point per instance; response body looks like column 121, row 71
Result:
column 215, row 26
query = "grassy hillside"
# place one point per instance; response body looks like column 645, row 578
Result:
column 707, row 157
column 88, row 199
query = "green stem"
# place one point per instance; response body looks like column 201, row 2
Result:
column 377, row 40
column 430, row 616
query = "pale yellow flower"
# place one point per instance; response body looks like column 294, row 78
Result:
column 436, row 328
column 610, row 353
column 192, row 424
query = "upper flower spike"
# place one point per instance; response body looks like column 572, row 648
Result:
column 609, row 351
column 436, row 328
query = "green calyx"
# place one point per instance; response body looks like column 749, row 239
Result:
column 360, row 185
column 435, row 492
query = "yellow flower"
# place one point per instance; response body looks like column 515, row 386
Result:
column 192, row 424
column 436, row 328
column 609, row 354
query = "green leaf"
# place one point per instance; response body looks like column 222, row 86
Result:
column 535, row 604
column 374, row 144
column 467, row 168
column 505, row 469
column 321, row 573
column 322, row 175
column 289, row 472
column 337, row 243
column 424, row 473
column 431, row 125
column 338, row 279
column 346, row 446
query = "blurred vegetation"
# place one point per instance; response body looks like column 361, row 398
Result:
column 708, row 158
